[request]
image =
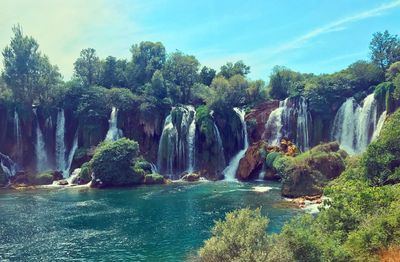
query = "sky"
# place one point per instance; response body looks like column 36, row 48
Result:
column 318, row 36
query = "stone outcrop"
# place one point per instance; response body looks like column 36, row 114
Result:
column 258, row 117
column 251, row 164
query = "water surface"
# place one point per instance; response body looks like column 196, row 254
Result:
column 155, row 223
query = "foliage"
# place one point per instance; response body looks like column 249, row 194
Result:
column 382, row 158
column 114, row 163
column 45, row 178
column 87, row 67
column 182, row 72
column 271, row 158
column 85, row 175
column 229, row 69
column 241, row 237
column 121, row 98
column 385, row 49
column 207, row 75
column 153, row 178
column 27, row 72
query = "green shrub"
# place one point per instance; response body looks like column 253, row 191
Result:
column 270, row 159
column 85, row 175
column 113, row 164
column 154, row 178
column 240, row 237
column 45, row 178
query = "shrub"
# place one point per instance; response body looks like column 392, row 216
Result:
column 240, row 237
column 270, row 159
column 113, row 164
column 154, row 178
column 85, row 175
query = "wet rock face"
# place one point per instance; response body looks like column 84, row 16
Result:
column 251, row 164
column 257, row 119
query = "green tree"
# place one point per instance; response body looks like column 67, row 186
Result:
column 182, row 72
column 385, row 49
column 29, row 74
column 207, row 75
column 285, row 82
column 88, row 67
column 239, row 68
column 241, row 237
column 147, row 57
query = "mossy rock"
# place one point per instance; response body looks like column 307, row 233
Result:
column 85, row 175
column 45, row 178
column 154, row 178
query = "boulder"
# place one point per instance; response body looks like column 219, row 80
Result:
column 152, row 179
column 251, row 164
column 308, row 173
column 258, row 117
column 192, row 177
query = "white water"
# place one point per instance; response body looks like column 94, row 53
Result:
column 379, row 126
column 40, row 148
column 71, row 155
column 354, row 125
column 279, row 123
column 18, row 135
column 230, row 171
column 191, row 141
column 154, row 168
column 113, row 133
column 7, row 165
column 221, row 154
column 60, row 142
column 177, row 147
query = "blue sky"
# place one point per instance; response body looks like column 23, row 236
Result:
column 317, row 36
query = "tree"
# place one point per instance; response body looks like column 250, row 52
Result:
column 29, row 74
column 147, row 57
column 230, row 69
column 385, row 49
column 207, row 75
column 364, row 74
column 182, row 72
column 285, row 82
column 87, row 67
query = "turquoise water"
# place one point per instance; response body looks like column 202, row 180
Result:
column 157, row 223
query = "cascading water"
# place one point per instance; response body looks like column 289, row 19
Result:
column 292, row 120
column 8, row 166
column 60, row 142
column 176, row 150
column 379, row 126
column 113, row 133
column 221, row 154
column 191, row 141
column 40, row 148
column 230, row 171
column 18, row 135
column 354, row 126
column 71, row 155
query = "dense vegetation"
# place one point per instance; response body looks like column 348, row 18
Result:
column 359, row 222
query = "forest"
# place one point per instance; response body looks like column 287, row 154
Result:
column 158, row 117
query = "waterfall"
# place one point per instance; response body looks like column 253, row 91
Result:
column 379, row 126
column 290, row 120
column 154, row 168
column 113, row 133
column 8, row 166
column 71, row 155
column 60, row 142
column 18, row 135
column 40, row 148
column 221, row 154
column 230, row 171
column 191, row 141
column 354, row 125
column 176, row 151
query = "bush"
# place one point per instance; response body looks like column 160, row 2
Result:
column 113, row 164
column 240, row 237
column 382, row 158
column 154, row 178
column 85, row 175
column 45, row 178
column 270, row 159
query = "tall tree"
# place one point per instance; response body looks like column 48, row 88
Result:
column 385, row 49
column 182, row 71
column 207, row 75
column 88, row 67
column 238, row 68
column 29, row 74
column 147, row 57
